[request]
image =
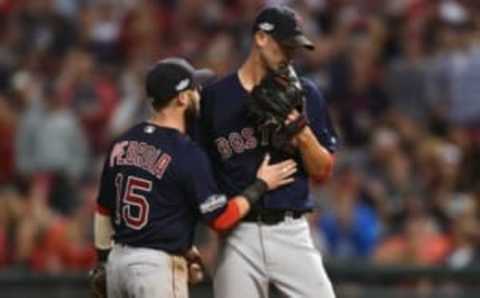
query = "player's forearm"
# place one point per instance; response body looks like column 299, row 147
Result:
column 317, row 160
column 103, row 232
column 236, row 209
column 239, row 206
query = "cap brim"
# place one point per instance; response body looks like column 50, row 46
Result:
column 203, row 76
column 299, row 41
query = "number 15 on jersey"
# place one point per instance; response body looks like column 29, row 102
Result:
column 132, row 206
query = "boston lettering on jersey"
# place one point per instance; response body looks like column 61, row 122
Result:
column 236, row 142
column 236, row 149
column 141, row 155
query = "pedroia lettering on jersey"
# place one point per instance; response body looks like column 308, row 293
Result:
column 236, row 142
column 142, row 155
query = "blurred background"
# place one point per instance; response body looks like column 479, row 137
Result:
column 399, row 216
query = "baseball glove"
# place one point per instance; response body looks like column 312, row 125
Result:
column 271, row 101
column 98, row 281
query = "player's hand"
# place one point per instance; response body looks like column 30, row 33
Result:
column 196, row 269
column 294, row 114
column 292, row 118
column 276, row 175
column 98, row 281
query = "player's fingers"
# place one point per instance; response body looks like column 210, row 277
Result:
column 287, row 174
column 294, row 142
column 286, row 181
column 287, row 168
column 266, row 160
column 196, row 274
column 292, row 117
column 291, row 165
column 284, row 164
column 193, row 254
column 289, row 171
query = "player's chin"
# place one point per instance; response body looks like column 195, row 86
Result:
column 280, row 64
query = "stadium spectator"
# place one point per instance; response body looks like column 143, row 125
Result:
column 91, row 94
column 51, row 142
column 348, row 226
column 409, row 247
column 465, row 225
column 400, row 76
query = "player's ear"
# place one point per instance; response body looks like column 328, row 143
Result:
column 261, row 38
column 182, row 98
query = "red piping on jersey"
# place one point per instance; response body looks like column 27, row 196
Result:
column 327, row 171
column 229, row 217
column 102, row 210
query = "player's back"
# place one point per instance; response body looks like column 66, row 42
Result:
column 142, row 187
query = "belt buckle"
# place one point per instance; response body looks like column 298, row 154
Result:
column 259, row 218
column 288, row 216
column 266, row 219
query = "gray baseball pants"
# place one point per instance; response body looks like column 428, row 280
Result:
column 254, row 256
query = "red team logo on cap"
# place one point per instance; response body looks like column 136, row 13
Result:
column 299, row 22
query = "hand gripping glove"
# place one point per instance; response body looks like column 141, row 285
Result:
column 271, row 101
column 98, row 276
column 98, row 281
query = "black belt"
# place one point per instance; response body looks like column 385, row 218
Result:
column 272, row 216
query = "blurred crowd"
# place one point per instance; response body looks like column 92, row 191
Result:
column 402, row 78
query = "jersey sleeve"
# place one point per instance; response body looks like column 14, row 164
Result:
column 200, row 184
column 317, row 113
column 107, row 192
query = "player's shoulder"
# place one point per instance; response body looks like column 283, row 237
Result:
column 219, row 87
column 190, row 156
column 313, row 92
column 310, row 86
column 191, row 149
column 216, row 95
column 132, row 131
column 221, row 83
column 152, row 134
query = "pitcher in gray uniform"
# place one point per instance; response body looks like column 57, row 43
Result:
column 272, row 245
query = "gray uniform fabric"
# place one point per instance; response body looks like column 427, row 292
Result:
column 145, row 273
column 254, row 256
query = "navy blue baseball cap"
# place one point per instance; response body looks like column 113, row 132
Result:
column 170, row 76
column 283, row 24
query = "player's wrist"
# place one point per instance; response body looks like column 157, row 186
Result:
column 304, row 135
column 102, row 255
column 254, row 192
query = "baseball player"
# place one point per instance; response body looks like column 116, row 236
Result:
column 156, row 183
column 272, row 245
